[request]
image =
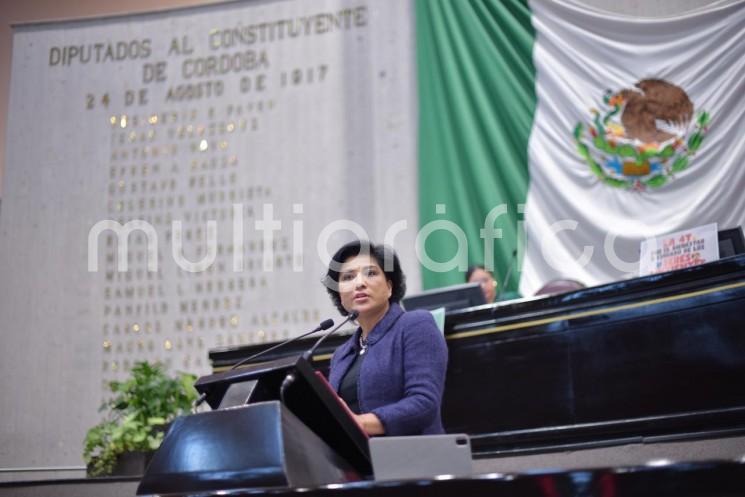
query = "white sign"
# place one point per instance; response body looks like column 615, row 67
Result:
column 679, row 250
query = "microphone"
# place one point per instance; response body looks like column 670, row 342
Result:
column 309, row 353
column 325, row 325
column 507, row 274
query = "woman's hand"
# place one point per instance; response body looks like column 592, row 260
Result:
column 369, row 423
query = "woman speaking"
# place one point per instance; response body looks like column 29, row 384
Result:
column 391, row 371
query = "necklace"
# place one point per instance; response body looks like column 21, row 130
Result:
column 363, row 345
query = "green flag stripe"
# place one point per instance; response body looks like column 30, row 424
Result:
column 476, row 105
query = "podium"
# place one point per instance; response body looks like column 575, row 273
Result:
column 292, row 431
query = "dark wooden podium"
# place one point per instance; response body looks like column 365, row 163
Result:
column 292, row 432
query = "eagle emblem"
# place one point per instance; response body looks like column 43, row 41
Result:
column 642, row 137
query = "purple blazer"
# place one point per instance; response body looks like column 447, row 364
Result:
column 402, row 377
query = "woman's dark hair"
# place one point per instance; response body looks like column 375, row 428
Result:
column 384, row 256
column 473, row 268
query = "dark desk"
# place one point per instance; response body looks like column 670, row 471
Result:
column 655, row 357
column 709, row 479
column 662, row 355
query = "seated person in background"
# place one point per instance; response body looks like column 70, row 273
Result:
column 478, row 274
column 391, row 371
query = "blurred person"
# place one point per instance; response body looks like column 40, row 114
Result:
column 489, row 284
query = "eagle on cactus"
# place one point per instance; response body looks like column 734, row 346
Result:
column 642, row 136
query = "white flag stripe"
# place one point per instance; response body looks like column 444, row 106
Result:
column 579, row 55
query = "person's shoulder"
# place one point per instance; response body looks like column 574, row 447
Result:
column 417, row 318
column 419, row 327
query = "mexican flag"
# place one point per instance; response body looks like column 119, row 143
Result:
column 554, row 139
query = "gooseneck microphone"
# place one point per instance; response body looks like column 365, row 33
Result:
column 325, row 325
column 309, row 353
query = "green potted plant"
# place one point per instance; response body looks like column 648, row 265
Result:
column 138, row 413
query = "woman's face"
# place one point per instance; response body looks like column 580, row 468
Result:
column 487, row 282
column 363, row 286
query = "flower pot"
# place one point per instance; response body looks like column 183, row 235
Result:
column 132, row 463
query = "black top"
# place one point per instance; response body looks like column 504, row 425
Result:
column 348, row 387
